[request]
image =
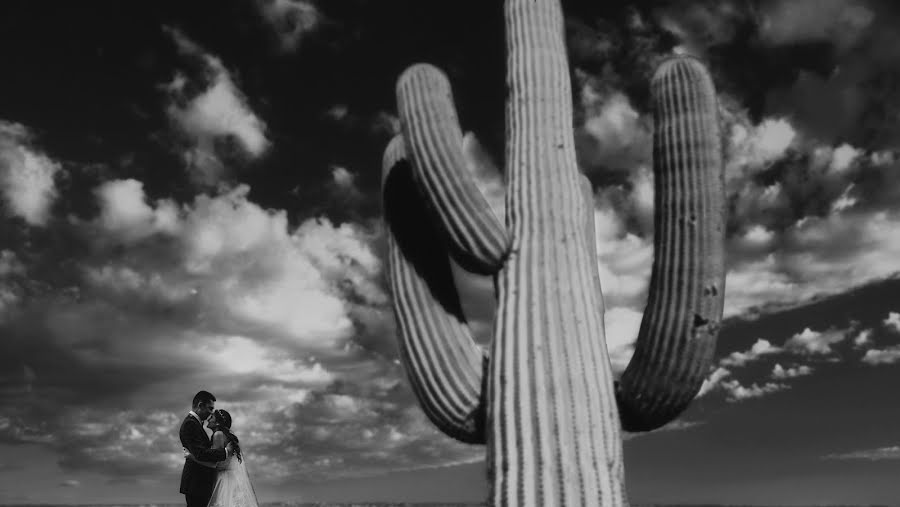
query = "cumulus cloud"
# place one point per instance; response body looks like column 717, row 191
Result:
column 125, row 214
column 624, row 259
column 815, row 342
column 753, row 147
column 218, row 114
column 760, row 348
column 342, row 177
column 736, row 392
column 817, row 256
column 893, row 321
column 242, row 261
column 27, row 175
column 863, row 338
column 713, row 381
column 843, row 157
column 888, row 355
column 290, row 20
column 779, row 373
column 612, row 135
column 621, row 325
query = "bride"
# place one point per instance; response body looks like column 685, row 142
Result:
column 233, row 487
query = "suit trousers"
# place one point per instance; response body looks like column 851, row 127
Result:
column 197, row 500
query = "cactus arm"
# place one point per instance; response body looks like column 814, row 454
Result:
column 443, row 363
column 678, row 333
column 477, row 240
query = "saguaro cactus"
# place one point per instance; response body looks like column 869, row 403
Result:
column 543, row 399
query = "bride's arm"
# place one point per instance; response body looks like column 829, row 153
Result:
column 218, row 442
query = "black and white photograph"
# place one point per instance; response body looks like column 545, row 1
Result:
column 523, row 253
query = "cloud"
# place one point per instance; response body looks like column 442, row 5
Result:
column 843, row 157
column 882, row 453
column 70, row 483
column 126, row 216
column 385, row 124
column 791, row 21
column 752, row 147
column 612, row 134
column 760, row 348
column 758, row 236
column 27, row 176
column 863, row 338
column 11, row 268
column 219, row 113
column 624, row 260
column 888, row 355
column 736, row 392
column 893, row 321
column 10, row 263
column 714, row 381
column 239, row 261
column 342, row 177
column 814, row 342
column 290, row 20
column 779, row 373
column 337, row 112
column 815, row 256
column 622, row 325
column 701, row 25
column 344, row 187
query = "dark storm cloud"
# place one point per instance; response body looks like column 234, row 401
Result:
column 290, row 20
column 860, row 90
column 212, row 113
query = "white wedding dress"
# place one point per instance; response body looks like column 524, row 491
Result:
column 233, row 487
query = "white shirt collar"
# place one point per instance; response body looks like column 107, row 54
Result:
column 197, row 417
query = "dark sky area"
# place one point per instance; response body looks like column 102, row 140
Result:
column 189, row 199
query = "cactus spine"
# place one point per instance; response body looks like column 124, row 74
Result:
column 543, row 400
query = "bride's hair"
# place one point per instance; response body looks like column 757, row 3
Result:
column 224, row 420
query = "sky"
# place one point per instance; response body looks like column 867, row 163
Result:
column 189, row 199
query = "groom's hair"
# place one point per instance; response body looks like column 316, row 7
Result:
column 203, row 397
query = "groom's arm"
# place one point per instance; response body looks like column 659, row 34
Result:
column 194, row 439
column 207, row 464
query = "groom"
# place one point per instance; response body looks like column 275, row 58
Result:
column 197, row 481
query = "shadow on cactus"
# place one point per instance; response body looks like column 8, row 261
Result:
column 542, row 398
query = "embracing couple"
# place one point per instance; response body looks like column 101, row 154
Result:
column 214, row 472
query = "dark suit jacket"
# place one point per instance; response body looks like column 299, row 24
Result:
column 196, row 479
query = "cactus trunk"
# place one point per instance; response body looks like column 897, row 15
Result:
column 554, row 432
